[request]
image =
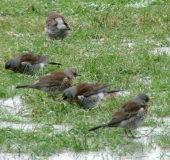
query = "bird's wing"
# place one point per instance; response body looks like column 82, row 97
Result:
column 128, row 110
column 41, row 59
column 55, row 19
column 27, row 57
column 131, row 107
column 51, row 79
column 97, row 88
column 51, row 23
column 84, row 88
column 32, row 58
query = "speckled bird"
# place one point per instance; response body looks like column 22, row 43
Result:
column 130, row 116
column 56, row 27
column 28, row 63
column 55, row 82
column 87, row 95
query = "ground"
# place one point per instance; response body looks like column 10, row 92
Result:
column 123, row 43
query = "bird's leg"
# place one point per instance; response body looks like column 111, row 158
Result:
column 100, row 107
column 53, row 97
column 132, row 135
column 127, row 133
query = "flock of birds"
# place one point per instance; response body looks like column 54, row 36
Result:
column 131, row 114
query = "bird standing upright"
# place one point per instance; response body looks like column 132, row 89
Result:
column 87, row 95
column 55, row 82
column 28, row 63
column 130, row 116
column 56, row 26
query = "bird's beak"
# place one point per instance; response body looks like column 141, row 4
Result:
column 75, row 100
column 61, row 99
column 150, row 98
column 78, row 74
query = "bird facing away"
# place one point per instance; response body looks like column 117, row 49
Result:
column 27, row 63
column 55, row 82
column 87, row 95
column 56, row 27
column 130, row 116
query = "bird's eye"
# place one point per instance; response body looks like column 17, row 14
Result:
column 74, row 73
column 64, row 97
column 7, row 66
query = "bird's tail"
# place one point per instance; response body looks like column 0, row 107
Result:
column 113, row 91
column 23, row 86
column 54, row 63
column 110, row 93
column 97, row 127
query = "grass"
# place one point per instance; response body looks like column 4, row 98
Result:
column 98, row 48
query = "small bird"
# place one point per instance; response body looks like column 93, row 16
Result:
column 130, row 116
column 56, row 26
column 55, row 82
column 28, row 63
column 87, row 95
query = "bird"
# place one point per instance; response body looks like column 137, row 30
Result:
column 55, row 82
column 130, row 116
column 56, row 27
column 87, row 95
column 28, row 63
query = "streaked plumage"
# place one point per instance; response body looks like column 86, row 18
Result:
column 87, row 95
column 130, row 116
column 55, row 82
column 28, row 63
column 56, row 26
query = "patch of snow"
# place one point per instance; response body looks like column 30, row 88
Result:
column 141, row 4
column 161, row 50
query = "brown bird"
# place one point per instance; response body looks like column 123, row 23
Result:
column 55, row 82
column 56, row 26
column 87, row 95
column 130, row 116
column 27, row 63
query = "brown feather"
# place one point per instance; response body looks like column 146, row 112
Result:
column 87, row 88
column 127, row 110
column 51, row 19
column 130, row 107
column 54, row 78
column 32, row 58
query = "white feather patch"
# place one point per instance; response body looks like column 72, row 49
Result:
column 101, row 95
column 59, row 20
column 80, row 97
column 42, row 65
